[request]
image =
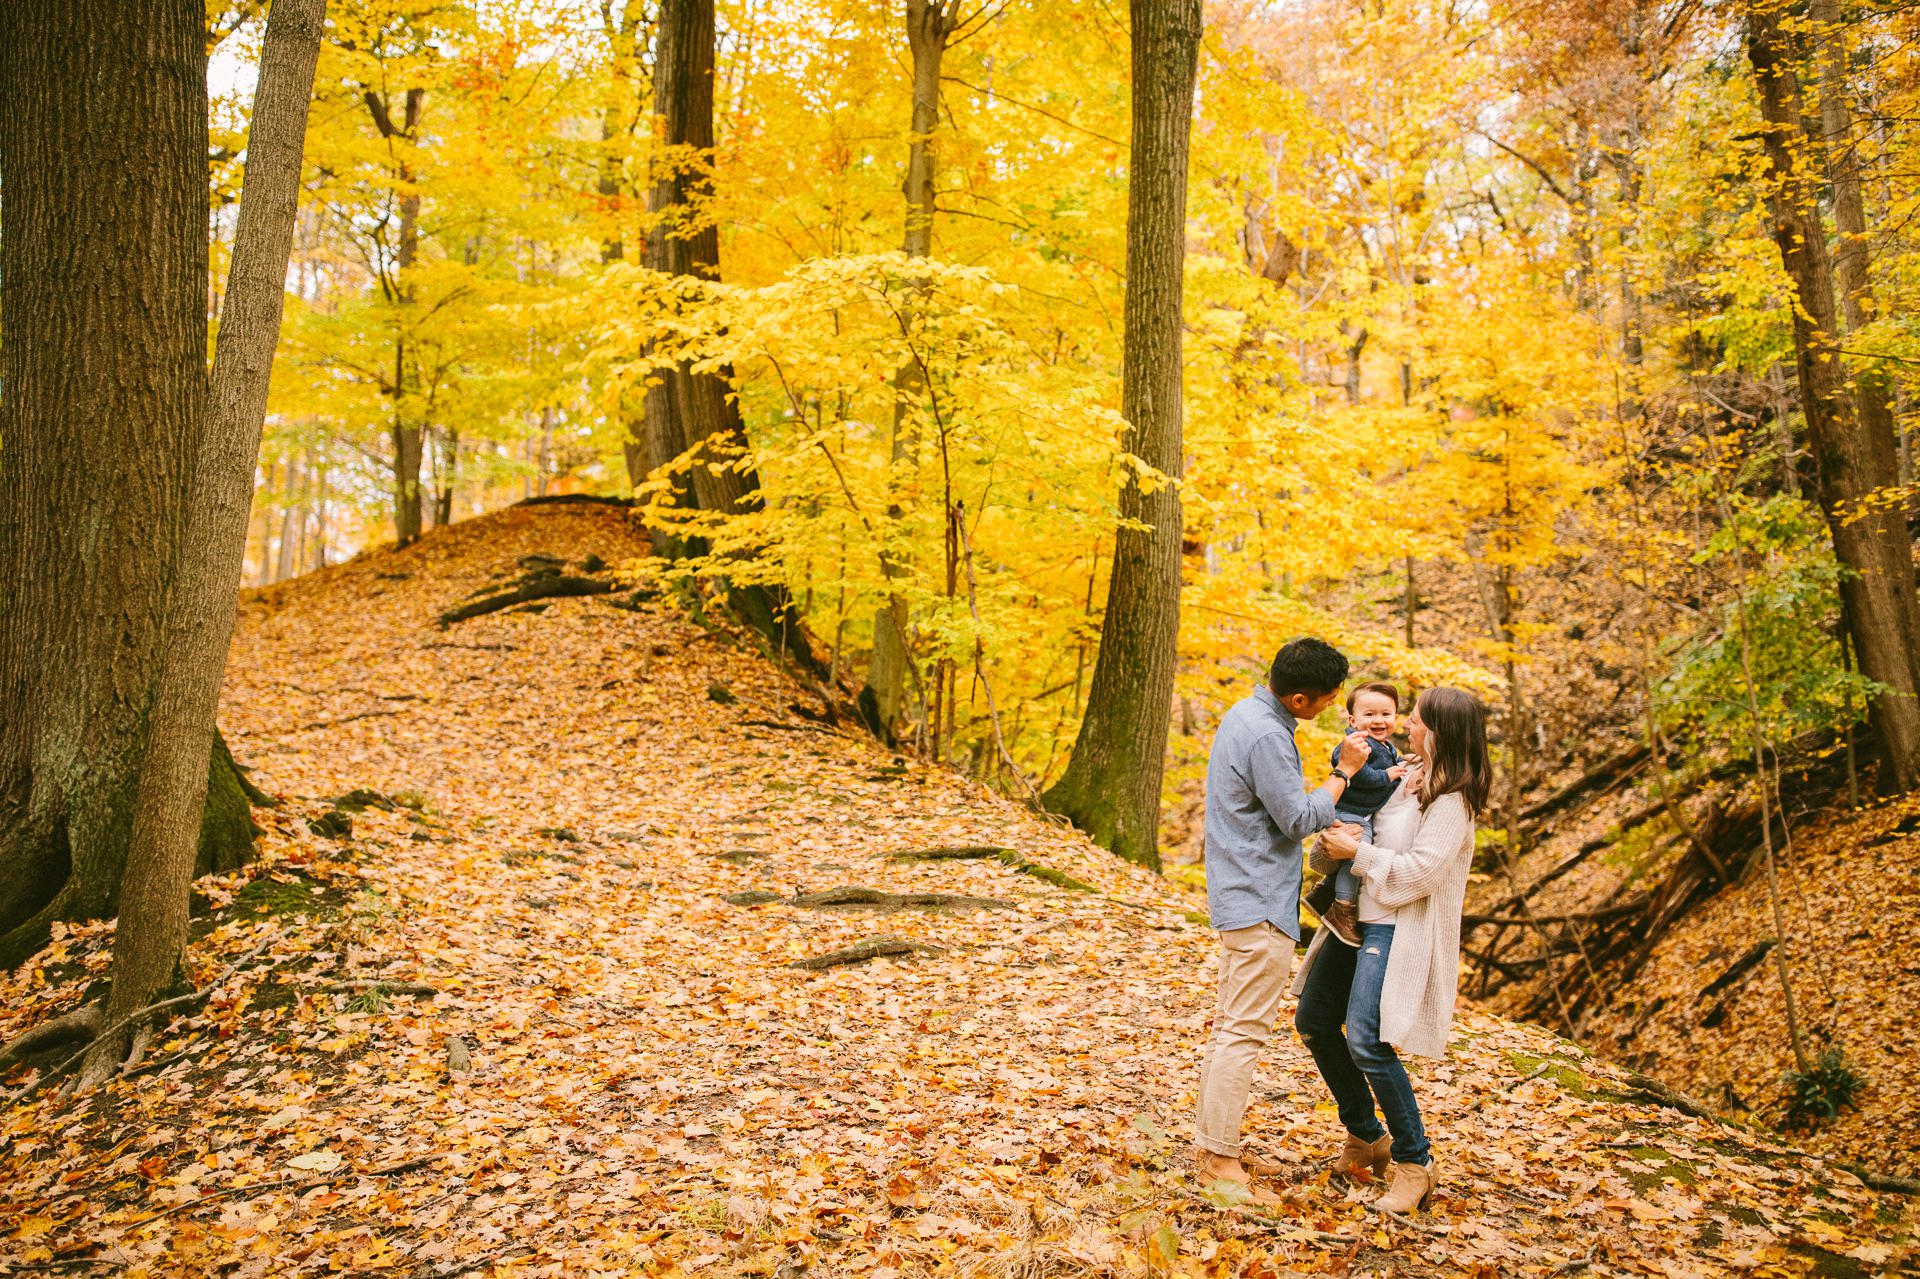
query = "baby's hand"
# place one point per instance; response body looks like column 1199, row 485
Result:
column 1398, row 771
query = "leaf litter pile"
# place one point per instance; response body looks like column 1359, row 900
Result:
column 578, row 947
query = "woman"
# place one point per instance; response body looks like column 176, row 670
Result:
column 1397, row 989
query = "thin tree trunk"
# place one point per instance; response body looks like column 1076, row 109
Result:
column 1111, row 786
column 625, row 26
column 152, row 932
column 287, row 562
column 930, row 24
column 103, row 271
column 406, row 430
column 695, row 412
column 1853, row 459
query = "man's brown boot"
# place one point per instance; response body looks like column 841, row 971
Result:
column 1343, row 922
column 1411, row 1187
column 1364, row 1160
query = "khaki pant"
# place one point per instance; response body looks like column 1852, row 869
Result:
column 1254, row 966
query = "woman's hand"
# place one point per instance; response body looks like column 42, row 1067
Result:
column 1341, row 842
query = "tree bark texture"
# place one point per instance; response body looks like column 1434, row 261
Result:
column 173, row 787
column 1111, row 788
column 693, row 413
column 103, row 270
column 1854, row 458
column 930, row 24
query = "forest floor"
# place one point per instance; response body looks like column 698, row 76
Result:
column 617, row 1071
column 1706, row 1013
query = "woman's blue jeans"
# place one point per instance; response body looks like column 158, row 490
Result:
column 1343, row 988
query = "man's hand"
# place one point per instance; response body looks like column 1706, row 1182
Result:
column 1354, row 753
column 1341, row 841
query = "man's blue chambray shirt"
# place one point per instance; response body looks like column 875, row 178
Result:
column 1258, row 811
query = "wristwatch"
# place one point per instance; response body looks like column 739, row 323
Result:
column 1343, row 775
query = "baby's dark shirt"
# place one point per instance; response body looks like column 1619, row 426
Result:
column 1370, row 788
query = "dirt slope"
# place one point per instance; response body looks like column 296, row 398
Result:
column 653, row 1090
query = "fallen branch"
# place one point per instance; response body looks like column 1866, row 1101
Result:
column 1634, row 906
column 1884, row 1181
column 415, row 988
column 1602, row 778
column 1646, row 1088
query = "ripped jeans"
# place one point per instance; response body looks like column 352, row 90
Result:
column 1343, row 987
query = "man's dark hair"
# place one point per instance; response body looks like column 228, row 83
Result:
column 1381, row 687
column 1307, row 666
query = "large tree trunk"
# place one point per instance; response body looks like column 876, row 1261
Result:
column 172, row 795
column 1855, row 456
column 930, row 24
column 689, row 412
column 1111, row 788
column 682, row 83
column 103, row 270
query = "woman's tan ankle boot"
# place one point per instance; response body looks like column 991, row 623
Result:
column 1362, row 1160
column 1412, row 1185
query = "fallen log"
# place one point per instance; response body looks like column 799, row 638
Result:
column 1591, row 785
column 1574, row 917
column 1740, row 968
column 555, row 587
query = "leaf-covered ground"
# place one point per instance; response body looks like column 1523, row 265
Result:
column 651, row 1088
column 1708, row 1013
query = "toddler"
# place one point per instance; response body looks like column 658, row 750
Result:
column 1373, row 709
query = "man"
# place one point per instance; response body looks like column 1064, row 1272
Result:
column 1258, row 811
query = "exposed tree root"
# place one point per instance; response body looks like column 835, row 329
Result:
column 102, row 1065
column 860, row 952
column 960, row 852
column 854, row 896
column 82, row 1023
column 557, row 586
column 417, row 989
column 1006, row 857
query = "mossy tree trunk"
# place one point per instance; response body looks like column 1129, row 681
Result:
column 103, row 273
column 1111, row 788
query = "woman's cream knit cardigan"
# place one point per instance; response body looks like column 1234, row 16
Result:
column 1417, row 868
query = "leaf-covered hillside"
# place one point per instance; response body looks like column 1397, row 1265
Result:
column 528, row 1004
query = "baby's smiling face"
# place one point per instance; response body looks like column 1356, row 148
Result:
column 1375, row 715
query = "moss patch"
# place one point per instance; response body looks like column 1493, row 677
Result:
column 1656, row 1166
column 1832, row 1265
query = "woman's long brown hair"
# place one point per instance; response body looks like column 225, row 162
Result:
column 1457, row 726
